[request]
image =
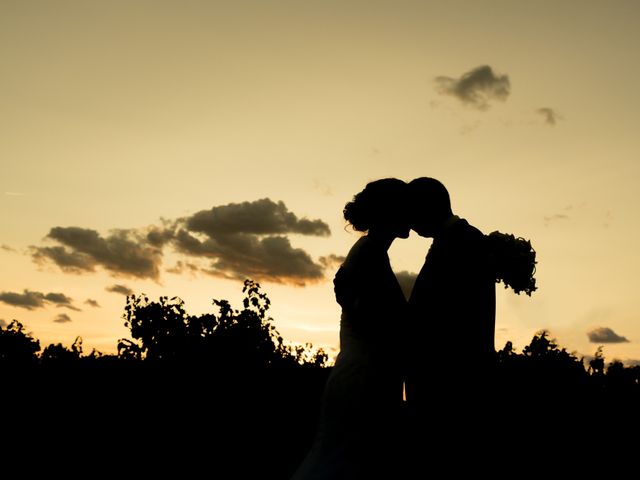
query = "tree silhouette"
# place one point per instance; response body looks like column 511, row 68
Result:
column 58, row 355
column 164, row 332
column 17, row 348
column 228, row 376
column 543, row 368
column 596, row 365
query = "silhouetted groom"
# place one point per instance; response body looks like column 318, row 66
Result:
column 452, row 308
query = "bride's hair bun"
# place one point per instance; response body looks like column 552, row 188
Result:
column 377, row 201
column 355, row 212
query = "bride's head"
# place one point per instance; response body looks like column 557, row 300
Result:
column 381, row 208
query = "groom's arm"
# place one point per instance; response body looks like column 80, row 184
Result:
column 478, row 309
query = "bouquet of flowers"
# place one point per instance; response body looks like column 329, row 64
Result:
column 514, row 261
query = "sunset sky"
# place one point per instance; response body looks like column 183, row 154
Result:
column 177, row 147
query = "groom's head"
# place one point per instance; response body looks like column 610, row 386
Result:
column 430, row 206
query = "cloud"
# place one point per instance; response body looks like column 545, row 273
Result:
column 123, row 252
column 581, row 213
column 605, row 335
column 70, row 262
column 476, row 88
column 92, row 303
column 261, row 217
column 31, row 300
column 549, row 114
column 241, row 256
column 3, row 323
column 237, row 240
column 160, row 236
column 116, row 288
column 548, row 219
column 62, row 318
column 331, row 260
column 406, row 280
column 16, row 194
column 248, row 240
column 28, row 299
column 181, row 267
column 7, row 248
column 61, row 300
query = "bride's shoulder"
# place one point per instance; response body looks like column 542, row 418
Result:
column 363, row 255
column 360, row 249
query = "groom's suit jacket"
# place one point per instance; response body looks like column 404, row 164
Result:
column 451, row 321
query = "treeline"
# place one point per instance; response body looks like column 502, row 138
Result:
column 220, row 394
column 164, row 335
column 224, row 392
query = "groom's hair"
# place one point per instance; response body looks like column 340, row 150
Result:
column 431, row 193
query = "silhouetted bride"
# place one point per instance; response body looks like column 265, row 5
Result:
column 358, row 426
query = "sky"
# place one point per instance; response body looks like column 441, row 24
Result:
column 178, row 147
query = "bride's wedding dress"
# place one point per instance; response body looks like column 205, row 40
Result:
column 358, row 426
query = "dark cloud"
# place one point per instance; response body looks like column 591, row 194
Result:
column 247, row 240
column 550, row 116
column 238, row 240
column 605, row 335
column 477, row 87
column 68, row 261
column 261, row 217
column 116, row 288
column 406, row 281
column 61, row 300
column 27, row 299
column 7, row 248
column 62, row 318
column 181, row 267
column 191, row 245
column 159, row 236
column 123, row 252
column 92, row 303
column 243, row 256
column 31, row 300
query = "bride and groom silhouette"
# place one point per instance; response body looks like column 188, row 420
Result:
column 439, row 344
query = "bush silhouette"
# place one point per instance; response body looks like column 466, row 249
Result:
column 17, row 348
column 164, row 332
column 229, row 377
column 60, row 356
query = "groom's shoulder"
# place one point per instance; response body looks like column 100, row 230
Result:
column 468, row 231
column 469, row 238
